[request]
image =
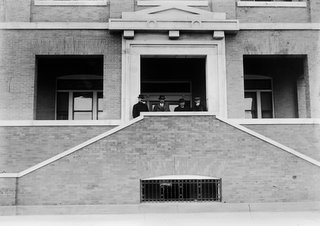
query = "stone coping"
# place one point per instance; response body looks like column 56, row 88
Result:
column 105, row 26
column 36, row 123
column 168, row 207
column 277, row 121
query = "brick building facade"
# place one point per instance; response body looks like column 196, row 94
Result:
column 71, row 71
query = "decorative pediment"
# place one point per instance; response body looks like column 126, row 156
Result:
column 173, row 10
column 173, row 16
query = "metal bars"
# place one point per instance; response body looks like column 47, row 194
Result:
column 180, row 190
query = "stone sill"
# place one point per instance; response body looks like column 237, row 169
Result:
column 272, row 4
column 59, row 123
column 71, row 3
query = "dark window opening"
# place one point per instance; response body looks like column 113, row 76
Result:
column 275, row 86
column 180, row 190
column 174, row 77
column 69, row 87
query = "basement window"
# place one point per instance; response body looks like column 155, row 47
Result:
column 181, row 189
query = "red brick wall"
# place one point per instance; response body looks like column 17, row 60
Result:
column 23, row 147
column 108, row 171
column 303, row 138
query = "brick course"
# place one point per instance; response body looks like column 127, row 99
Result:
column 108, row 171
column 272, row 15
column 7, row 191
column 70, row 13
column 272, row 43
column 302, row 138
column 18, row 69
column 23, row 147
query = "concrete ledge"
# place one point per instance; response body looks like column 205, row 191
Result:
column 184, row 207
column 53, row 25
column 298, row 121
column 105, row 26
column 17, row 123
column 71, row 3
column 272, row 4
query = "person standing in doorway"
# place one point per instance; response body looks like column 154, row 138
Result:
column 141, row 106
column 182, row 106
column 161, row 106
column 197, row 105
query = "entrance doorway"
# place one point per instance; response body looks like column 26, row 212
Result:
column 174, row 77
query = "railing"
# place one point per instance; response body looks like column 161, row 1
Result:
column 180, row 190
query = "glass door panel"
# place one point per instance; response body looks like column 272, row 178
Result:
column 250, row 104
column 82, row 105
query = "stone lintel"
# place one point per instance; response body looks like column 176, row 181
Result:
column 228, row 26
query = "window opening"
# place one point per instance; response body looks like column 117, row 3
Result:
column 258, row 97
column 79, row 97
column 168, row 190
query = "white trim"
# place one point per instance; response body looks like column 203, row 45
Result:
column 181, row 177
column 105, row 26
column 71, row 3
column 9, row 175
column 168, row 2
column 189, row 114
column 272, row 4
column 141, row 117
column 53, row 25
column 214, row 51
column 52, row 123
column 270, row 141
column 280, row 121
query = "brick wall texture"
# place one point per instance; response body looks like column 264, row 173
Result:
column 23, row 147
column 108, row 171
column 25, row 10
column 7, row 191
column 18, row 66
column 17, row 83
column 281, row 43
column 302, row 138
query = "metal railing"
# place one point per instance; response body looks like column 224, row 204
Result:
column 180, row 190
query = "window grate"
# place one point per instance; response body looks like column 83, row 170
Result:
column 180, row 190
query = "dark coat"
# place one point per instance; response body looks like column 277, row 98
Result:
column 139, row 107
column 181, row 109
column 198, row 108
column 159, row 108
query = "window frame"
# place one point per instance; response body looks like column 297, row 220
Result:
column 258, row 93
column 95, row 99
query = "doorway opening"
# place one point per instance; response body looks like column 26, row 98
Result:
column 174, row 77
